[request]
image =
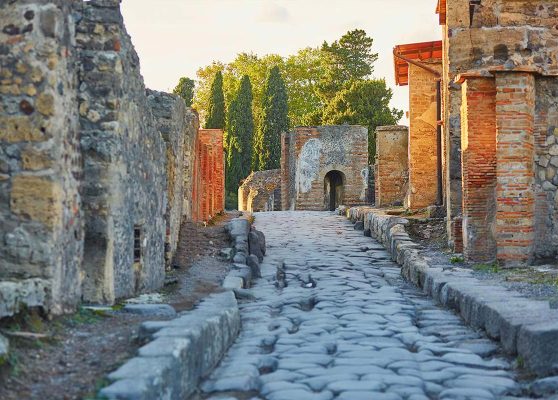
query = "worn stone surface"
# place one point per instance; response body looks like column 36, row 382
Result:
column 323, row 167
column 260, row 191
column 360, row 332
column 164, row 310
column 525, row 327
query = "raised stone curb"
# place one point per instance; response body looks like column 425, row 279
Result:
column 528, row 328
column 180, row 353
column 248, row 251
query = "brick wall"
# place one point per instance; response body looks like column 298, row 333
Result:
column 391, row 165
column 310, row 153
column 478, row 124
column 515, row 112
column 209, row 175
column 422, row 137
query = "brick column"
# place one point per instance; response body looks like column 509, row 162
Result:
column 285, row 171
column 515, row 110
column 478, row 143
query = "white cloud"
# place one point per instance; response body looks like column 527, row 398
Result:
column 272, row 12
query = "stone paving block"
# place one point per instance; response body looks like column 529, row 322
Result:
column 161, row 310
column 537, row 345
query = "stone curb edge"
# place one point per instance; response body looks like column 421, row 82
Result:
column 527, row 328
column 180, row 353
column 247, row 253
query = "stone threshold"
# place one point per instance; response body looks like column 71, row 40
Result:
column 526, row 328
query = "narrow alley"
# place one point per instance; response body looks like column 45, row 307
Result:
column 344, row 325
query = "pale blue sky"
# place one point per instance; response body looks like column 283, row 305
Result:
column 176, row 37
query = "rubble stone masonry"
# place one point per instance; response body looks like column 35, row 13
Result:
column 315, row 159
column 83, row 162
column 391, row 165
column 260, row 191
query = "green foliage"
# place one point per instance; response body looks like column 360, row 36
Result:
column 364, row 103
column 216, row 108
column 456, row 259
column 239, row 137
column 347, row 59
column 275, row 120
column 492, row 267
column 185, row 89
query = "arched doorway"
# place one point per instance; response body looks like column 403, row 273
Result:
column 333, row 189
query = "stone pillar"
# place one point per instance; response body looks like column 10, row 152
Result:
column 515, row 110
column 285, row 171
column 478, row 143
column 422, row 137
column 391, row 167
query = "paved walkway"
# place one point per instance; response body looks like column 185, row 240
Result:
column 361, row 333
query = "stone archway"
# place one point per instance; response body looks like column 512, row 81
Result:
column 334, row 183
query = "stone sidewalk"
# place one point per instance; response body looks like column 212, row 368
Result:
column 339, row 322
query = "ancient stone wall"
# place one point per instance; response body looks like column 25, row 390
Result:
column 177, row 126
column 41, row 223
column 208, row 197
column 83, row 168
column 124, row 168
column 391, row 165
column 258, row 191
column 192, row 122
column 422, row 137
column 314, row 159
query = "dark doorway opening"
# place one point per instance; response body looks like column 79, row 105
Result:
column 333, row 189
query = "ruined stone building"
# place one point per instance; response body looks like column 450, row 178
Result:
column 95, row 172
column 208, row 177
column 260, row 191
column 499, row 116
column 323, row 167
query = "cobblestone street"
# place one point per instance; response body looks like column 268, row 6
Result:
column 346, row 326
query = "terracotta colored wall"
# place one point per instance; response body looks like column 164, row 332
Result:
column 209, row 175
column 391, row 165
column 478, row 143
column 515, row 112
column 422, row 137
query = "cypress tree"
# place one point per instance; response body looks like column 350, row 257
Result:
column 216, row 109
column 185, row 89
column 240, row 132
column 275, row 120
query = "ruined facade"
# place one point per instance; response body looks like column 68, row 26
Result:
column 84, row 211
column 208, row 193
column 424, row 144
column 391, row 167
column 500, row 80
column 260, row 191
column 323, row 167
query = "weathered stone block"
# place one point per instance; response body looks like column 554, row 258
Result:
column 37, row 198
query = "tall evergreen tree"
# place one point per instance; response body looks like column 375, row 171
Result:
column 216, row 109
column 185, row 89
column 275, row 120
column 239, row 137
